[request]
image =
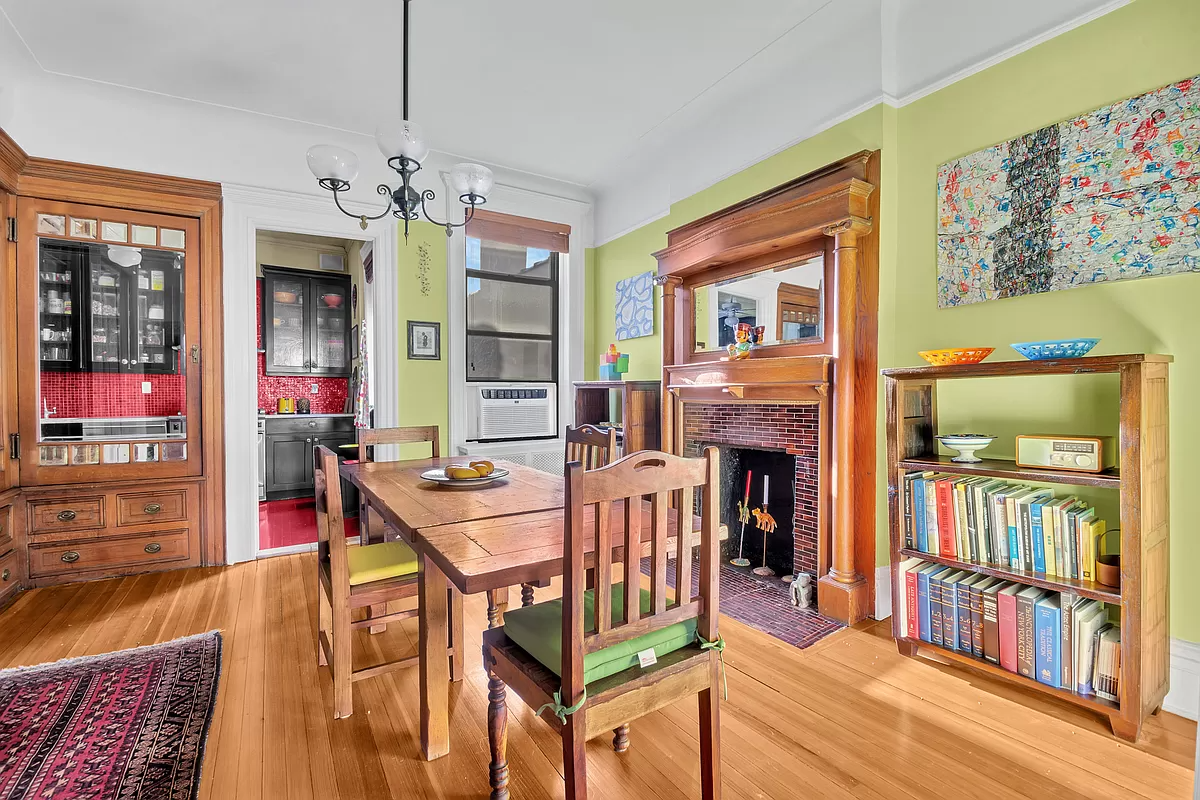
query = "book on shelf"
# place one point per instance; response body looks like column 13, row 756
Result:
column 980, row 520
column 1056, row 638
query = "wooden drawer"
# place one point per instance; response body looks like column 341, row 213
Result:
column 143, row 549
column 9, row 573
column 143, row 507
column 48, row 516
column 6, row 530
column 314, row 425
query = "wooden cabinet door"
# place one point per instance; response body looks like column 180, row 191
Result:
column 8, row 341
column 334, row 441
column 289, row 462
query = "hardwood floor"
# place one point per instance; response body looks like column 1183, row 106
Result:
column 847, row 718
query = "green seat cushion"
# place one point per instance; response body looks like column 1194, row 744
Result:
column 537, row 629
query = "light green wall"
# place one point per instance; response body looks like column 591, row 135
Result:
column 1142, row 46
column 424, row 385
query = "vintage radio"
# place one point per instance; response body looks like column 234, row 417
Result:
column 1074, row 453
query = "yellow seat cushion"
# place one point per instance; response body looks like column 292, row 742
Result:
column 377, row 562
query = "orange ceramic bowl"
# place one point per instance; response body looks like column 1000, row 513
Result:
column 956, row 355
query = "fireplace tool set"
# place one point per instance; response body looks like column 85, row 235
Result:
column 762, row 520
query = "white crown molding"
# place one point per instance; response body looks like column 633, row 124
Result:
column 1006, row 54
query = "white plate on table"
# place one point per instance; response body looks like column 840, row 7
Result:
column 438, row 476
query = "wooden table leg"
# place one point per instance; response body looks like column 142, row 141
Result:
column 493, row 608
column 457, row 637
column 435, row 668
column 526, row 594
column 497, row 737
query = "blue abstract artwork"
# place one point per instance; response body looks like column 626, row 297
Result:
column 635, row 306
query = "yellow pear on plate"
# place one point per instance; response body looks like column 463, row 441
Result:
column 484, row 468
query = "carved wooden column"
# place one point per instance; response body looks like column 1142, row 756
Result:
column 672, row 320
column 843, row 593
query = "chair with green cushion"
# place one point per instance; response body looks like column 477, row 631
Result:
column 350, row 578
column 597, row 682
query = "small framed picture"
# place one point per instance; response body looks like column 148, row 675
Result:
column 424, row 340
column 354, row 343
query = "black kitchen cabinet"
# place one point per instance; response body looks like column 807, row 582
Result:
column 290, row 441
column 306, row 323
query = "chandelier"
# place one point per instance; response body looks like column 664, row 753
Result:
column 404, row 147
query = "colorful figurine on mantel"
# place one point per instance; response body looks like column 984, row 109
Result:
column 748, row 338
column 613, row 364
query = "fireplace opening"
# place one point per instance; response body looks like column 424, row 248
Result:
column 768, row 478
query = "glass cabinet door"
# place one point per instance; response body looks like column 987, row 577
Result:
column 330, row 329
column 286, row 335
column 107, row 299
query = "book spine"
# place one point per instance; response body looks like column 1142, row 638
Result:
column 1066, row 641
column 991, row 627
column 1014, row 548
column 1047, row 519
column 977, row 622
column 1056, row 527
column 945, row 518
column 931, row 517
column 966, row 544
column 1035, row 535
column 1072, row 545
column 1087, row 560
column 912, row 623
column 1026, row 539
column 1000, row 528
column 982, row 529
column 923, row 608
column 1048, row 627
column 1025, row 637
column 965, row 635
column 949, row 616
column 1007, row 605
column 918, row 499
column 935, row 610
column 907, row 483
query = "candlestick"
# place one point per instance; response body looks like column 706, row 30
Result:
column 746, row 497
column 766, row 484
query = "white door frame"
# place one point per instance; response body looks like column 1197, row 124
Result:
column 246, row 210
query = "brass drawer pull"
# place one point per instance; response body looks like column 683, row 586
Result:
column 66, row 516
column 70, row 557
column 153, row 547
column 4, row 576
column 152, row 508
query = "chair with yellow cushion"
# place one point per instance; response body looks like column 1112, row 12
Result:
column 579, row 660
column 350, row 578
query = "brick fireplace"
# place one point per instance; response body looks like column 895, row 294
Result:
column 748, row 435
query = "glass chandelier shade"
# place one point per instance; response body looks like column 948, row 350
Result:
column 329, row 162
column 401, row 137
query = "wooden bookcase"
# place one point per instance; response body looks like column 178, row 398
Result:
column 640, row 410
column 1142, row 480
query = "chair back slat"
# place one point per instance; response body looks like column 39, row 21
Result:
column 603, row 560
column 369, row 437
column 327, row 496
column 658, row 551
column 683, row 551
column 661, row 477
column 591, row 446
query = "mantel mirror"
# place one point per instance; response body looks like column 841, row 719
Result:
column 786, row 301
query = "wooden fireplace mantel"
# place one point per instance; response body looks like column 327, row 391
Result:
column 831, row 211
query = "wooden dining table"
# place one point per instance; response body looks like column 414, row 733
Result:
column 481, row 539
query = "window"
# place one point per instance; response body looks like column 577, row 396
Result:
column 512, row 301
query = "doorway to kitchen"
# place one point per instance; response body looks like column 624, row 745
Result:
column 312, row 378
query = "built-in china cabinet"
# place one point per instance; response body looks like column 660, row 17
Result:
column 113, row 443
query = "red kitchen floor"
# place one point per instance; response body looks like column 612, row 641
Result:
column 285, row 523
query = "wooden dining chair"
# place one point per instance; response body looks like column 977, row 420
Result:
column 591, row 446
column 349, row 578
column 578, row 660
column 368, row 438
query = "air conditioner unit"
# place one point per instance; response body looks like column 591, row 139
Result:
column 503, row 411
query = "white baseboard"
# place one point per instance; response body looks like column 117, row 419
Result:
column 883, row 592
column 1184, row 697
column 292, row 549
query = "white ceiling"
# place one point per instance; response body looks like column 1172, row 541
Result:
column 583, row 92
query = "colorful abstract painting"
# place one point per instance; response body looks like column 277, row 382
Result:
column 1107, row 196
column 635, row 306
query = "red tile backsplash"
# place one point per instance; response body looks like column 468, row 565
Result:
column 102, row 394
column 331, row 392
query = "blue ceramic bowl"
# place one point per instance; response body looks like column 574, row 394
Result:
column 1055, row 348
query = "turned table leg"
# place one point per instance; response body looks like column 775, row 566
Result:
column 621, row 738
column 526, row 594
column 497, row 737
column 493, row 609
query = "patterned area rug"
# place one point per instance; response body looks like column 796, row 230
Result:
column 130, row 724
